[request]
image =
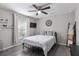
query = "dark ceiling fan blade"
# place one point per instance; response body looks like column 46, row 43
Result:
column 44, row 12
column 32, row 11
column 35, row 6
column 45, row 5
column 36, row 14
column 46, row 8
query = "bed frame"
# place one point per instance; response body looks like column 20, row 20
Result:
column 30, row 46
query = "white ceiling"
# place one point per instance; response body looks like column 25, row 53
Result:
column 23, row 8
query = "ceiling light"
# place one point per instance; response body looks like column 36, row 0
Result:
column 39, row 12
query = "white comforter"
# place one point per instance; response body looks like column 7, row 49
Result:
column 45, row 42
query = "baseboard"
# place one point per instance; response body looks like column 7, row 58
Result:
column 61, row 43
column 10, row 47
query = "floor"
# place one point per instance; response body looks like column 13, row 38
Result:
column 74, row 50
column 56, row 50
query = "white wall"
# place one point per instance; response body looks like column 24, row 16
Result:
column 5, row 35
column 77, row 24
column 32, row 30
column 60, row 25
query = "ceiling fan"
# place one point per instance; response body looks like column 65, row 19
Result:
column 40, row 9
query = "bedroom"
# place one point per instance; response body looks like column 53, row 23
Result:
column 47, row 19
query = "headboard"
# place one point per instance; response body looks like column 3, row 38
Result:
column 49, row 33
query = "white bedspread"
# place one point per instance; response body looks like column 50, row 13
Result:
column 45, row 42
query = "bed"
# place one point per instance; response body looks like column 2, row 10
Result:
column 45, row 41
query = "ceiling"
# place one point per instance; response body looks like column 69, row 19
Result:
column 23, row 8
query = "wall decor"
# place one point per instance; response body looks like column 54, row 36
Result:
column 4, row 25
column 48, row 23
column 4, row 22
column 33, row 25
column 1, row 20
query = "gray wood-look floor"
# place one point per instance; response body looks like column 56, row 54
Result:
column 57, row 50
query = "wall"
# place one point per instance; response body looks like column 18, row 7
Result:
column 77, row 24
column 32, row 30
column 60, row 25
column 5, row 34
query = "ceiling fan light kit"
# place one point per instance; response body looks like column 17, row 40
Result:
column 39, row 12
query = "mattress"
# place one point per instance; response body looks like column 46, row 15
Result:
column 43, row 41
